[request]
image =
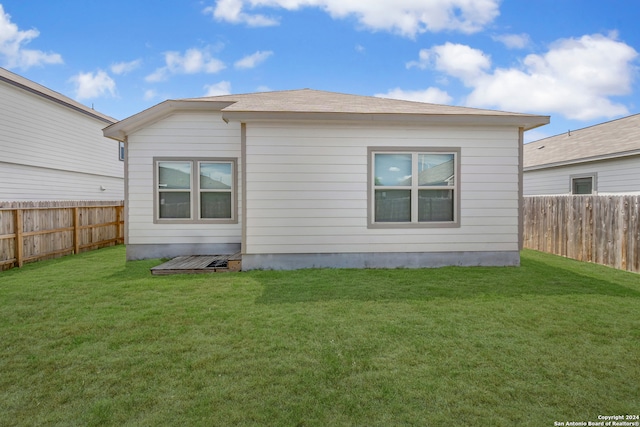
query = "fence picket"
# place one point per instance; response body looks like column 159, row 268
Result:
column 599, row 229
column 32, row 231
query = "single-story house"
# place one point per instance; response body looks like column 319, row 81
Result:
column 601, row 159
column 307, row 178
column 53, row 147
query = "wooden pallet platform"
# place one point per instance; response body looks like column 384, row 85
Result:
column 198, row 264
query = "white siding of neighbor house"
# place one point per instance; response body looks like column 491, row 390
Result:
column 307, row 189
column 195, row 135
column 614, row 176
column 52, row 152
column 30, row 183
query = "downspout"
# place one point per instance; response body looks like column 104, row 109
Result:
column 243, row 180
column 126, row 189
column 520, row 188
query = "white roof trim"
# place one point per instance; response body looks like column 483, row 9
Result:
column 526, row 122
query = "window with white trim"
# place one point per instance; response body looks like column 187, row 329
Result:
column 414, row 187
column 195, row 190
column 583, row 184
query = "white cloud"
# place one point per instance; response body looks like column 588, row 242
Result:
column 394, row 169
column 158, row 75
column 405, row 17
column 217, row 89
column 193, row 61
column 252, row 61
column 150, row 94
column 456, row 60
column 125, row 67
column 513, row 41
column 12, row 42
column 575, row 77
column 231, row 11
column 431, row 95
column 93, row 85
column 424, row 60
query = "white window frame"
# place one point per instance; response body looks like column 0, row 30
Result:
column 414, row 188
column 195, row 191
column 594, row 183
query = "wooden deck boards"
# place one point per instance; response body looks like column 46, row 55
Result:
column 197, row 264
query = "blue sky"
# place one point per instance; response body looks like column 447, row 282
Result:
column 575, row 60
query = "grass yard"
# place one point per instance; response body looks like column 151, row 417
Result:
column 92, row 340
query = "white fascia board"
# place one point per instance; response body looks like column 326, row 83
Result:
column 526, row 122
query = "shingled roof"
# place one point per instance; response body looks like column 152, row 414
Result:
column 309, row 104
column 617, row 138
column 317, row 101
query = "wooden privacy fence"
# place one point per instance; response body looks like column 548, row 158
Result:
column 31, row 233
column 599, row 229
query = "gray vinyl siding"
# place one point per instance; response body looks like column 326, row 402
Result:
column 307, row 189
column 31, row 183
column 52, row 152
column 615, row 176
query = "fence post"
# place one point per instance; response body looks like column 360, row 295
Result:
column 624, row 230
column 76, row 231
column 119, row 210
column 19, row 238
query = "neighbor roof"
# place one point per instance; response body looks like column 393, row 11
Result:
column 617, row 138
column 309, row 104
column 33, row 87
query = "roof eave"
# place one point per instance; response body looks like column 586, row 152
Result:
column 545, row 120
column 599, row 158
column 525, row 121
column 121, row 129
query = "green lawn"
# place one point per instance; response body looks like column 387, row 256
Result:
column 92, row 340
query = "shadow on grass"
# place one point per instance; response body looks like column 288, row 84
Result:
column 133, row 270
column 534, row 277
column 41, row 264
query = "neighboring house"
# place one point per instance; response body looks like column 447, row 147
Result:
column 306, row 178
column 53, row 147
column 601, row 159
